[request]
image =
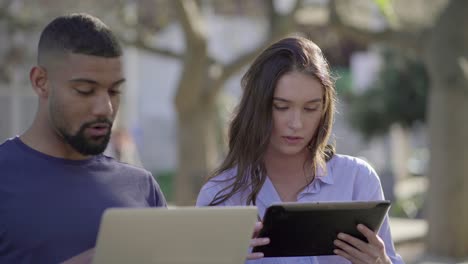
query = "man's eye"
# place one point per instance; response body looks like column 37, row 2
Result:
column 84, row 92
column 115, row 92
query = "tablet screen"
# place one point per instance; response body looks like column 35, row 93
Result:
column 309, row 229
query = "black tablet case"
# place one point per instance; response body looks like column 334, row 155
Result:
column 309, row 229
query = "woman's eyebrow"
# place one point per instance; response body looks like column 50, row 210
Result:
column 280, row 99
column 316, row 100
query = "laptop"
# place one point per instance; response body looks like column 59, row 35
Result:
column 179, row 235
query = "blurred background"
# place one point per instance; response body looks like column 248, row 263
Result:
column 401, row 69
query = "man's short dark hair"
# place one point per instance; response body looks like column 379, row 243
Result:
column 78, row 33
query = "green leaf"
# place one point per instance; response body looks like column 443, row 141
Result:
column 386, row 8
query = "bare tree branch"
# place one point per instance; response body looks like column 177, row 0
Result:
column 280, row 26
column 241, row 61
column 407, row 40
column 141, row 33
column 191, row 22
column 13, row 52
column 16, row 21
column 4, row 7
column 193, row 79
column 140, row 44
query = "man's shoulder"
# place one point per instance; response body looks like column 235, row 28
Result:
column 8, row 150
column 122, row 166
column 6, row 145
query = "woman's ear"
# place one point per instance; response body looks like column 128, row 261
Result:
column 39, row 81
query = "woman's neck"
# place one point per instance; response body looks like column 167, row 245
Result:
column 288, row 165
column 288, row 173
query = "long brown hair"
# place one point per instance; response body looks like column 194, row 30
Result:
column 250, row 130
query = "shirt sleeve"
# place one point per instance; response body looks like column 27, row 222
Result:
column 206, row 195
column 374, row 191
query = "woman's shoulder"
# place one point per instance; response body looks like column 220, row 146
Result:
column 358, row 174
column 346, row 163
column 220, row 181
column 214, row 186
column 347, row 160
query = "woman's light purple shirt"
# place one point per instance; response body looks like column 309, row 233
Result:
column 346, row 179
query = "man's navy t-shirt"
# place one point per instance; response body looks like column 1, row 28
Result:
column 50, row 208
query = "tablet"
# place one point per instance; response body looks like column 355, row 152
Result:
column 309, row 229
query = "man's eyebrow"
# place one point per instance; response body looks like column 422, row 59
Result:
column 316, row 100
column 83, row 80
column 89, row 81
column 119, row 82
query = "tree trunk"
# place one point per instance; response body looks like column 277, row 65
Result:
column 196, row 120
column 400, row 150
column 197, row 151
column 448, row 130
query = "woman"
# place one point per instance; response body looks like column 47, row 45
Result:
column 278, row 150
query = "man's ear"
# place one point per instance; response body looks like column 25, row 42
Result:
column 39, row 81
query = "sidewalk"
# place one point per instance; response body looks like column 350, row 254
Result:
column 408, row 236
column 407, row 230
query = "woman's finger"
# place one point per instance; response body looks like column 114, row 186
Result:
column 255, row 255
column 259, row 241
column 257, row 228
column 352, row 251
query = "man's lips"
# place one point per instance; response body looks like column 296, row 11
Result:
column 97, row 130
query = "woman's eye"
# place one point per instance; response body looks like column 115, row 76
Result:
column 311, row 109
column 278, row 107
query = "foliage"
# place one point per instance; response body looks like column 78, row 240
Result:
column 398, row 95
column 409, row 207
column 386, row 8
column 343, row 81
column 165, row 180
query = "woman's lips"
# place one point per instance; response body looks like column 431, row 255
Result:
column 293, row 140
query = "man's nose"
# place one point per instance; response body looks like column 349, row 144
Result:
column 103, row 106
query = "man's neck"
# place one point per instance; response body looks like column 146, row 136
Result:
column 45, row 140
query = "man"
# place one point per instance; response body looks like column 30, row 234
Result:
column 54, row 181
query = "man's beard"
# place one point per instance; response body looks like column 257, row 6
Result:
column 85, row 146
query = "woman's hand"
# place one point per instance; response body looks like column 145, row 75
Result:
column 358, row 251
column 256, row 241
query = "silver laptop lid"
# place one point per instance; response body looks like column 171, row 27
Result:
column 175, row 236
